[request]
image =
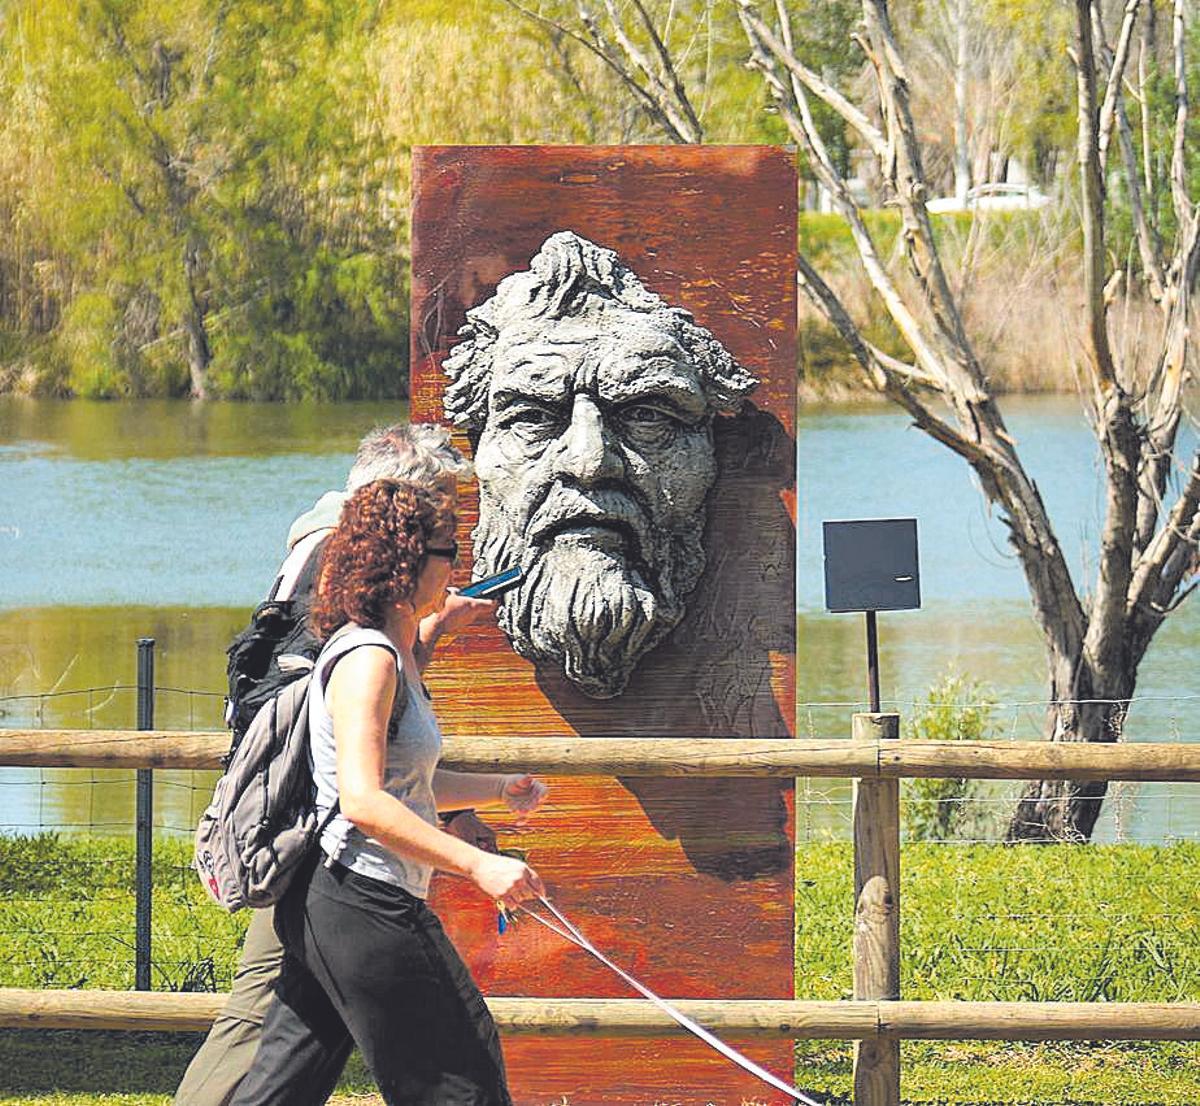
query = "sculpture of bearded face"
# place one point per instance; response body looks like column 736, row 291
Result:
column 593, row 418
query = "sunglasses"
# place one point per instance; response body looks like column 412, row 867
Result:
column 450, row 552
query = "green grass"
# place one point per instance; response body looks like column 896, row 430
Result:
column 1097, row 923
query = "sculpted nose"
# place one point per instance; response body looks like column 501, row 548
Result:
column 588, row 452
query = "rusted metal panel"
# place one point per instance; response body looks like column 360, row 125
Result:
column 686, row 883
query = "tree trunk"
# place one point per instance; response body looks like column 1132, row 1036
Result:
column 198, row 356
column 199, row 352
column 1084, row 706
column 962, row 151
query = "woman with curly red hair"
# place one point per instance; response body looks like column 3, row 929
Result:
column 366, row 961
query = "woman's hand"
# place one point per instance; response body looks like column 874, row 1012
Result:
column 458, row 613
column 523, row 793
column 504, row 878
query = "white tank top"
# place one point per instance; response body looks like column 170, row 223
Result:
column 413, row 749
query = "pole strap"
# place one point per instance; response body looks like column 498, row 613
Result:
column 570, row 933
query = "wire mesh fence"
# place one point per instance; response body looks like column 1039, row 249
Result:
column 1113, row 922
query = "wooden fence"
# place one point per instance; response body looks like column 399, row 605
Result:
column 876, row 1019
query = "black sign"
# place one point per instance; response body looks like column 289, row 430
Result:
column 871, row 565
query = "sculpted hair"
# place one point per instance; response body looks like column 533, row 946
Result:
column 569, row 275
column 373, row 557
column 418, row 453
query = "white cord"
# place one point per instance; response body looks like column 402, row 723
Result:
column 569, row 933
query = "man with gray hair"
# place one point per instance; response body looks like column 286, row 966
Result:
column 590, row 402
column 420, row 453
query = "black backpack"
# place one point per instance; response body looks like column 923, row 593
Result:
column 276, row 648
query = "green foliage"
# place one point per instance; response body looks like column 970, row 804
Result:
column 214, row 195
column 199, row 163
column 955, row 709
column 86, row 342
column 336, row 331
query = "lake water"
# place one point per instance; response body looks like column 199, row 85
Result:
column 163, row 519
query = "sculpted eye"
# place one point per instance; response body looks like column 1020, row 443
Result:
column 535, row 416
column 645, row 425
column 645, row 415
column 532, row 420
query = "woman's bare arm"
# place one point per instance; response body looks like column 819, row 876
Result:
column 519, row 791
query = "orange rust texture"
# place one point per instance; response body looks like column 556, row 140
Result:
column 687, row 884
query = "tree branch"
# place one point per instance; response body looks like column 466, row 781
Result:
column 961, row 366
column 1164, row 394
column 1116, row 71
column 1179, row 192
column 888, row 374
column 794, row 109
column 758, row 31
column 1176, row 548
column 680, row 124
column 668, row 64
column 1092, row 197
column 1112, row 112
column 600, row 49
column 1146, row 46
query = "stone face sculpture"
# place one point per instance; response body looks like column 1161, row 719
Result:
column 590, row 402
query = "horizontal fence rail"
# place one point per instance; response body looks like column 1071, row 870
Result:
column 661, row 756
column 876, row 1019
column 744, row 1018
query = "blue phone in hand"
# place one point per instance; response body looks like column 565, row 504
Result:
column 491, row 586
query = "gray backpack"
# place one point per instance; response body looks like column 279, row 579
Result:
column 262, row 821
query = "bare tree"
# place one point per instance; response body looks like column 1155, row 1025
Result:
column 1094, row 638
column 637, row 53
column 966, row 72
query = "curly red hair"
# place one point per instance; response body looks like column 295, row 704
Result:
column 373, row 558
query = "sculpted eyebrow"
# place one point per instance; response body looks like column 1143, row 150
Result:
column 656, row 387
column 546, row 355
column 540, row 391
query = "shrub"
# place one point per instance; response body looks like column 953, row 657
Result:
column 954, row 709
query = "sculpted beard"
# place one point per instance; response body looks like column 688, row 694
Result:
column 586, row 603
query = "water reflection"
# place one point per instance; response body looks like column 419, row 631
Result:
column 164, row 429
column 76, row 668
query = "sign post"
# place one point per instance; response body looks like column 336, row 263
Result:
column 870, row 566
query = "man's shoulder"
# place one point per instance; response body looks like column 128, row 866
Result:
column 323, row 515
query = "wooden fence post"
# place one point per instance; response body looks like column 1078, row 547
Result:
column 877, row 914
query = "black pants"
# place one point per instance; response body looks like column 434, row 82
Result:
column 367, row 962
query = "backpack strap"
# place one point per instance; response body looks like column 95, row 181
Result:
column 348, row 638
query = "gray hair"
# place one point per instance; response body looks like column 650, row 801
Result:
column 420, row 453
column 568, row 271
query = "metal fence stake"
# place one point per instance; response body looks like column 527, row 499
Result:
column 145, row 817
